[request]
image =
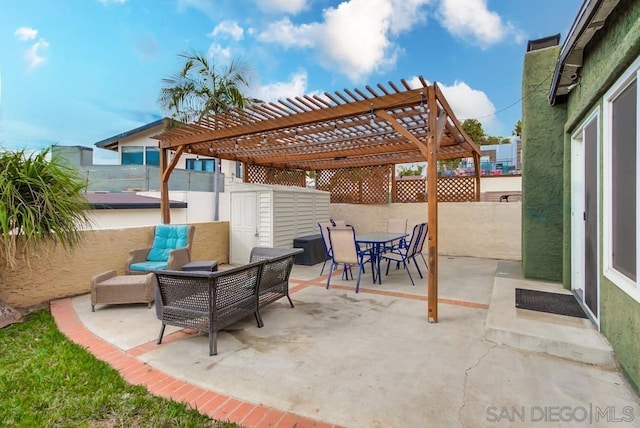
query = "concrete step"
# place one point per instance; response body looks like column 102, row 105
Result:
column 566, row 337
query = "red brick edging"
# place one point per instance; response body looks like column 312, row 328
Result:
column 134, row 371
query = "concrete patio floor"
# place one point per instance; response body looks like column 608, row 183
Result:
column 372, row 359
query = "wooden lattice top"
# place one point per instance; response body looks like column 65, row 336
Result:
column 375, row 126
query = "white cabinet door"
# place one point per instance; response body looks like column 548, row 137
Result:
column 244, row 226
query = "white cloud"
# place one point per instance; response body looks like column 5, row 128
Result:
column 469, row 103
column 230, row 28
column 466, row 103
column 472, row 21
column 108, row 2
column 286, row 34
column 34, row 55
column 355, row 38
column 295, row 87
column 406, row 14
column 219, row 53
column 26, row 33
column 292, row 7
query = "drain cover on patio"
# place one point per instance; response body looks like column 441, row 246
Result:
column 554, row 303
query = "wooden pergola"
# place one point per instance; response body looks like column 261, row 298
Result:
column 354, row 128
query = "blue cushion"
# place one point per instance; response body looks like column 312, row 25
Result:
column 148, row 266
column 168, row 237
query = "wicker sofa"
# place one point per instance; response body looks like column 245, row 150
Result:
column 210, row 301
column 274, row 283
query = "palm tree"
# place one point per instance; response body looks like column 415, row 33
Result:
column 41, row 201
column 199, row 90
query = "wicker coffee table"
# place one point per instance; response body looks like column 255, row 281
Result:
column 111, row 288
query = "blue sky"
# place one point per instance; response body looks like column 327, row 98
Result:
column 74, row 72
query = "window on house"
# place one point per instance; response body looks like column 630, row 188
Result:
column 621, row 181
column 153, row 155
column 623, row 170
column 132, row 155
column 238, row 169
column 207, row 165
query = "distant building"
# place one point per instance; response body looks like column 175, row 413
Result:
column 496, row 159
column 136, row 147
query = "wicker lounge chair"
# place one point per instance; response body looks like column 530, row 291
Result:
column 171, row 249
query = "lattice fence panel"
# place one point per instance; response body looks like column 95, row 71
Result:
column 366, row 185
column 270, row 175
column 411, row 190
column 456, row 189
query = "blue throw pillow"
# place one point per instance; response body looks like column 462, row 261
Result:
column 168, row 237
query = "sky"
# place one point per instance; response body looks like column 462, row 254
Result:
column 75, row 72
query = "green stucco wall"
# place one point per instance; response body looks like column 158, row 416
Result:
column 542, row 169
column 620, row 324
column 607, row 56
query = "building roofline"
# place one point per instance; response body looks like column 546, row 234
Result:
column 590, row 20
column 111, row 143
column 126, row 201
column 544, row 42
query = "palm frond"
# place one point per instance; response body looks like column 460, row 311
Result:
column 41, row 201
column 200, row 89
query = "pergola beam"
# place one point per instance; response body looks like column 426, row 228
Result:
column 342, row 111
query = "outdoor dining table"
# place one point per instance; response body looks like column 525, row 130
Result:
column 378, row 241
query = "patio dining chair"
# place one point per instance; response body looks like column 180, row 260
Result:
column 345, row 251
column 406, row 254
column 423, row 237
column 396, row 225
column 324, row 230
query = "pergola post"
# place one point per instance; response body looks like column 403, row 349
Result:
column 476, row 167
column 394, row 185
column 432, row 208
column 165, row 173
column 429, row 151
column 165, row 212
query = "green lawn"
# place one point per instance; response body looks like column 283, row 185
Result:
column 46, row 380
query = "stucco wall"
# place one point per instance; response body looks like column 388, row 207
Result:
column 620, row 324
column 609, row 54
column 498, row 183
column 58, row 274
column 542, row 169
column 476, row 229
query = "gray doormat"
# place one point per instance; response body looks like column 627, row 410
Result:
column 553, row 303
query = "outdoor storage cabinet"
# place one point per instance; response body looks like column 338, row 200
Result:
column 314, row 250
column 272, row 216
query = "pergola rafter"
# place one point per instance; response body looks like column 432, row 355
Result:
column 352, row 128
